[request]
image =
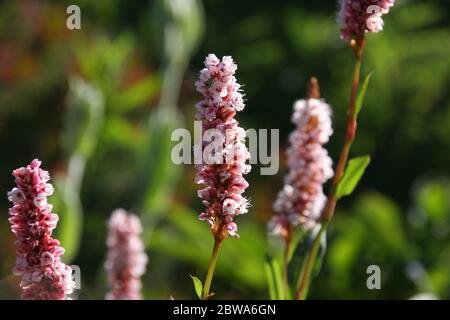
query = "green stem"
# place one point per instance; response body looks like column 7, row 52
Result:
column 350, row 134
column 304, row 278
column 328, row 212
column 211, row 267
column 287, row 250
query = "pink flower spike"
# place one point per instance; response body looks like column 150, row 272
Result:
column 126, row 260
column 222, row 175
column 301, row 200
column 44, row 275
column 359, row 16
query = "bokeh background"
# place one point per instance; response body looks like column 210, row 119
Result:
column 98, row 105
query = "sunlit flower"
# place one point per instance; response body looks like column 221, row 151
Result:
column 126, row 260
column 222, row 173
column 44, row 275
column 359, row 16
column 301, row 200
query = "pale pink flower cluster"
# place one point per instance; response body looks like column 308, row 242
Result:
column 44, row 275
column 302, row 199
column 223, row 179
column 126, row 260
column 359, row 16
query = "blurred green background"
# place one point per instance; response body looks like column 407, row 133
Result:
column 98, row 105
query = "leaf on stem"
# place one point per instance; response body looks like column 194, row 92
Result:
column 275, row 279
column 278, row 279
column 362, row 93
column 353, row 173
column 270, row 281
column 295, row 267
column 198, row 286
column 323, row 247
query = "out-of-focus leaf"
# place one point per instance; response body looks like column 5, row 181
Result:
column 67, row 206
column 83, row 124
column 298, row 259
column 299, row 256
column 298, row 25
column 84, row 118
column 278, row 277
column 439, row 275
column 159, row 173
column 137, row 94
column 274, row 279
column 343, row 252
column 270, row 280
column 382, row 220
column 362, row 93
column 434, row 198
column 319, row 260
column 119, row 131
column 104, row 65
column 183, row 27
column 186, row 238
column 353, row 173
column 198, row 286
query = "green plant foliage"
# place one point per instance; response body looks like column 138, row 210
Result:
column 377, row 237
column 270, row 281
column 66, row 203
column 158, row 175
column 430, row 231
column 137, row 94
column 141, row 59
column 362, row 93
column 275, row 280
column 188, row 240
column 352, row 174
column 198, row 286
column 296, row 265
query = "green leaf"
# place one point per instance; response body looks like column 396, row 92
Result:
column 298, row 259
column 67, row 203
column 274, row 279
column 323, row 247
column 118, row 131
column 198, row 286
column 278, row 279
column 84, row 118
column 432, row 198
column 270, row 281
column 362, row 93
column 158, row 175
column 137, row 94
column 353, row 173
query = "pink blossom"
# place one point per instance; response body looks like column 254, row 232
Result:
column 126, row 259
column 223, row 177
column 359, row 16
column 301, row 200
column 279, row 225
column 231, row 228
column 44, row 275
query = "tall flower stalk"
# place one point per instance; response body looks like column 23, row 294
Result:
column 301, row 200
column 221, row 170
column 357, row 17
column 44, row 275
column 126, row 259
